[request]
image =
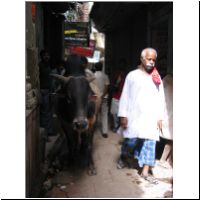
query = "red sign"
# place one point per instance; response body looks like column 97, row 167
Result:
column 83, row 51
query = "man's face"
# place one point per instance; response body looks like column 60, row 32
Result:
column 148, row 61
column 46, row 57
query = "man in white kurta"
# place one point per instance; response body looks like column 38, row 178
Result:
column 103, row 82
column 141, row 111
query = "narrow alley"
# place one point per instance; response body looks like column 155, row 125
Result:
column 78, row 55
column 99, row 99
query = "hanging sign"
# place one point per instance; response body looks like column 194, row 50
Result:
column 84, row 51
column 76, row 34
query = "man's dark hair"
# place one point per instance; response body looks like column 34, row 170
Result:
column 98, row 66
column 75, row 65
column 84, row 60
column 43, row 52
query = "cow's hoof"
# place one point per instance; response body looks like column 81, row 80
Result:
column 92, row 172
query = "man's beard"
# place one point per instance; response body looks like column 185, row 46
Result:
column 149, row 68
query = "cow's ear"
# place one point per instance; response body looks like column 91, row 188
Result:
column 61, row 78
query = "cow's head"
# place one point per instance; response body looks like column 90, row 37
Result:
column 76, row 92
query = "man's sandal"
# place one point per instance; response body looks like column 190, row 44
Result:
column 150, row 179
column 121, row 164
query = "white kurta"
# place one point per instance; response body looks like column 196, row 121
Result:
column 142, row 102
column 102, row 80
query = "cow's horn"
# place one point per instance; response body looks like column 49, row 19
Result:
column 61, row 78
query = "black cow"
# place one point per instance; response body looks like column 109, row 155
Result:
column 75, row 109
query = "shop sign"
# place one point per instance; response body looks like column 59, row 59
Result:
column 84, row 51
column 76, row 34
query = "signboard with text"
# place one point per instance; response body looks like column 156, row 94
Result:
column 76, row 34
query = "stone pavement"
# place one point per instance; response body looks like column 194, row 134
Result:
column 109, row 182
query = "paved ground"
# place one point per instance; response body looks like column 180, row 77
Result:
column 109, row 182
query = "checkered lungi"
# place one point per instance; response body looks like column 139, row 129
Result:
column 141, row 149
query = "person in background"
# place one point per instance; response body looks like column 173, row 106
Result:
column 93, row 84
column 167, row 128
column 117, row 86
column 103, row 82
column 88, row 72
column 60, row 69
column 46, row 87
column 141, row 114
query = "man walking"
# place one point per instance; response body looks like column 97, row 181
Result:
column 141, row 113
column 103, row 82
